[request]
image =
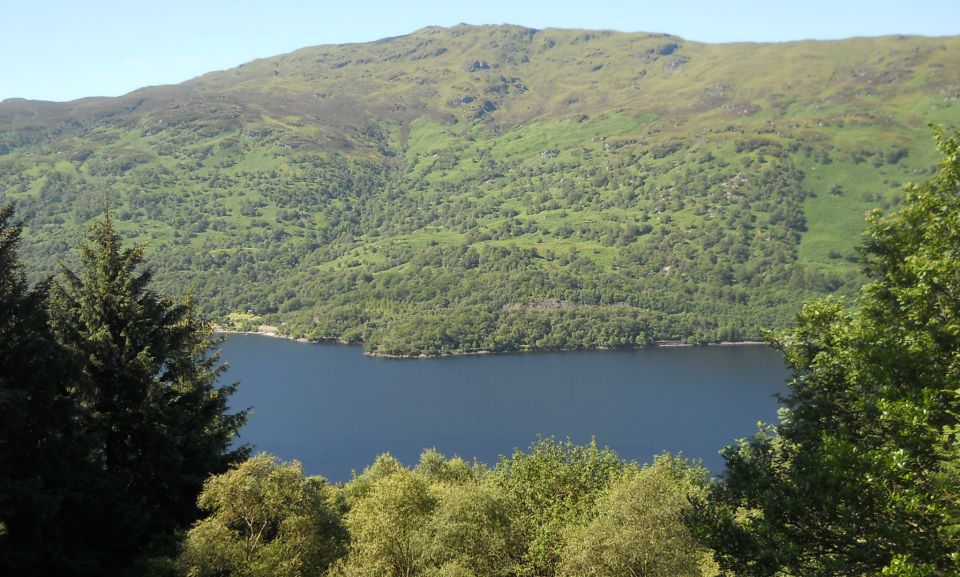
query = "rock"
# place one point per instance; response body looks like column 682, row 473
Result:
column 675, row 64
column 476, row 65
column 667, row 49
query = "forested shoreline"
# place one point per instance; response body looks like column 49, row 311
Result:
column 494, row 188
column 220, row 330
column 116, row 454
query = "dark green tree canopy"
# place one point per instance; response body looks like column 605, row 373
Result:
column 42, row 450
column 110, row 414
column 147, row 379
column 852, row 481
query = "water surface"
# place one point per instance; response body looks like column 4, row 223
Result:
column 335, row 409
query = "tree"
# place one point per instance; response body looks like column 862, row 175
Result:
column 550, row 488
column 42, row 453
column 145, row 382
column 266, row 519
column 441, row 518
column 859, row 476
column 638, row 527
column 471, row 531
column 437, row 468
column 387, row 526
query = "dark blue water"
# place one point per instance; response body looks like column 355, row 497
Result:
column 334, row 409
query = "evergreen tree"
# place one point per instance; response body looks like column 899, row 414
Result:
column 43, row 454
column 146, row 372
column 860, row 476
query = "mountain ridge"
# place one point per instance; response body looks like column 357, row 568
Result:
column 429, row 192
column 899, row 37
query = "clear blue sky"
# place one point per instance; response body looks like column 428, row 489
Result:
column 66, row 49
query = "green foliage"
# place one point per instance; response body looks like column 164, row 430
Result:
column 471, row 531
column 111, row 418
column 265, row 519
column 857, row 478
column 559, row 508
column 495, row 188
column 43, row 453
column 146, row 380
column 438, row 469
column 386, row 526
column 441, row 518
column 551, row 488
column 638, row 528
column 358, row 487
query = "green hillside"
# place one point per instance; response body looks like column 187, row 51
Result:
column 496, row 188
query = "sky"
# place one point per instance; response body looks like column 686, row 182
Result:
column 67, row 49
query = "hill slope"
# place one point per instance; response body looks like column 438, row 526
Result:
column 496, row 187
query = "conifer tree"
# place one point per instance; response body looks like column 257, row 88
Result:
column 43, row 453
column 146, row 372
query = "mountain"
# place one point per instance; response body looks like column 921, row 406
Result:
column 496, row 187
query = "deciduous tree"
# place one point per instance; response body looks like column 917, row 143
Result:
column 387, row 526
column 550, row 488
column 638, row 528
column 856, row 478
column 266, row 519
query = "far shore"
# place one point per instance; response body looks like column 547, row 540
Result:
column 719, row 344
column 273, row 333
column 260, row 333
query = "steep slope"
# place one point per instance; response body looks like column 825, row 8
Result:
column 496, row 187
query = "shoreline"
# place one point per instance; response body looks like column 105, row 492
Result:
column 668, row 344
column 217, row 329
column 655, row 345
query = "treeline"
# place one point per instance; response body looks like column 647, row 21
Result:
column 709, row 257
column 558, row 509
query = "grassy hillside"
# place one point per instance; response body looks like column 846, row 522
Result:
column 496, row 188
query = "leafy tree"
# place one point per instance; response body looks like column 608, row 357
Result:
column 266, row 519
column 440, row 518
column 559, row 509
column 638, row 528
column 434, row 466
column 387, row 536
column 550, row 488
column 859, row 476
column 383, row 465
column 471, row 531
column 145, row 382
